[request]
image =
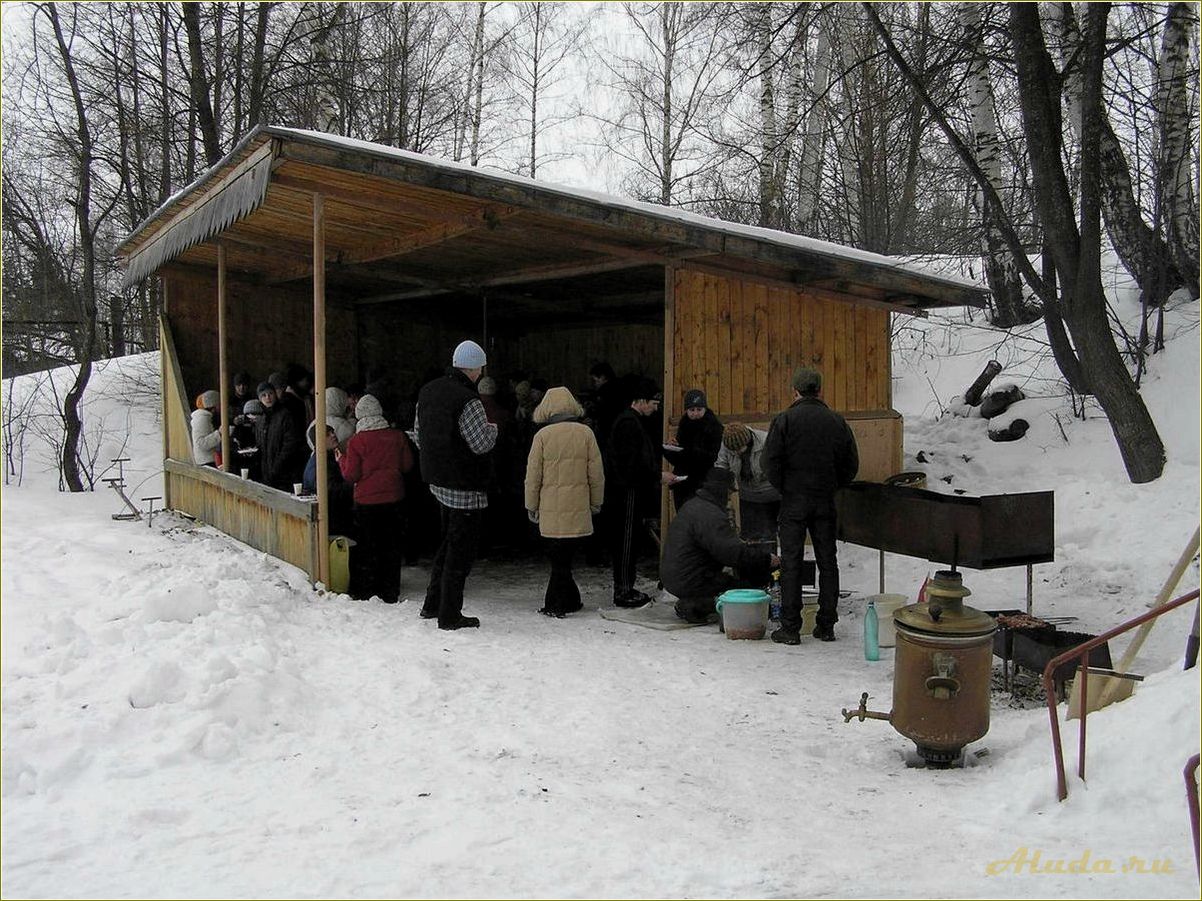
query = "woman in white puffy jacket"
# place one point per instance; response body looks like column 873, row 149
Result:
column 565, row 484
column 206, row 437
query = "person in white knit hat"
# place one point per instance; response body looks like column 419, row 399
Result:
column 206, row 433
column 454, row 438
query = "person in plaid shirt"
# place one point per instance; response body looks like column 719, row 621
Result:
column 454, row 438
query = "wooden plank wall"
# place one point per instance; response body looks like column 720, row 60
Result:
column 563, row 356
column 269, row 327
column 283, row 527
column 177, row 426
column 740, row 340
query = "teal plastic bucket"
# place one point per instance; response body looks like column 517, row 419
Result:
column 744, row 613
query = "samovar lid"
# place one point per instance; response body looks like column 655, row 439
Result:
column 944, row 613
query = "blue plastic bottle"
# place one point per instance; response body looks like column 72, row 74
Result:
column 872, row 647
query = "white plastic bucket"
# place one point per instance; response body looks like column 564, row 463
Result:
column 886, row 604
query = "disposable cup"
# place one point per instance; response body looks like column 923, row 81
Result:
column 297, row 488
column 246, row 473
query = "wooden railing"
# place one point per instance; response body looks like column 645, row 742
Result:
column 267, row 519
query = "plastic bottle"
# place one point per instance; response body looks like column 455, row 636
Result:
column 774, row 595
column 872, row 648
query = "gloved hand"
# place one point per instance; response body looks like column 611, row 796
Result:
column 532, row 515
column 595, row 509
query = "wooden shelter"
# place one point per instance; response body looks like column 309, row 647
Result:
column 374, row 262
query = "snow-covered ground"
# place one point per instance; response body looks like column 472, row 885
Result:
column 183, row 716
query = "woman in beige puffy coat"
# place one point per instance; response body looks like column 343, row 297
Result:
column 565, row 485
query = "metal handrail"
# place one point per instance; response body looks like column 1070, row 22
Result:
column 1191, row 796
column 1081, row 652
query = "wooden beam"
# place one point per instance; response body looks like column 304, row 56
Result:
column 533, row 274
column 804, row 287
column 223, row 374
column 319, row 389
column 388, row 206
column 399, row 245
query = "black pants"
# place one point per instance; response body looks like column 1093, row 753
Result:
column 817, row 516
column 622, row 512
column 453, row 563
column 563, row 594
column 377, row 558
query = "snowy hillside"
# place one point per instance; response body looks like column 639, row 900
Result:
column 184, row 716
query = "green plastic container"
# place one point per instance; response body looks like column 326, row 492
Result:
column 744, row 613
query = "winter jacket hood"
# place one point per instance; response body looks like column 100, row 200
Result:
column 565, row 478
column 558, row 404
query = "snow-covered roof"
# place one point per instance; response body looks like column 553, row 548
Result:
column 253, row 166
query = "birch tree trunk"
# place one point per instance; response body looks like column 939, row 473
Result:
column 669, row 16
column 769, row 139
column 1142, row 251
column 1001, row 271
column 478, row 102
column 810, row 164
column 1173, row 111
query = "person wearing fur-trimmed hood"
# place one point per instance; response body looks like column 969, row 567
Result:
column 565, row 486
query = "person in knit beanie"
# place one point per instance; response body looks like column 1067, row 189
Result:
column 455, row 440
column 206, row 434
column 375, row 462
column 698, row 440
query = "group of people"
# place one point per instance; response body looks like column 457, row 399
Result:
column 588, row 467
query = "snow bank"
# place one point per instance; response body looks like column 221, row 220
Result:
column 184, row 716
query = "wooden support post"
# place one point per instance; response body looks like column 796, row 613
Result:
column 882, row 571
column 665, row 506
column 164, row 402
column 223, row 374
column 319, row 389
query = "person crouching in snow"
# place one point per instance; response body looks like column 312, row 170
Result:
column 206, row 431
column 565, row 485
column 376, row 459
column 700, row 543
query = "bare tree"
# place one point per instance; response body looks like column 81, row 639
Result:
column 543, row 40
column 1077, row 250
column 667, row 87
column 1144, row 252
column 1005, row 282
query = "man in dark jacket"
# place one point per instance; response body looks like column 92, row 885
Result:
column 454, row 438
column 701, row 541
column 282, row 450
column 631, row 466
column 810, row 453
